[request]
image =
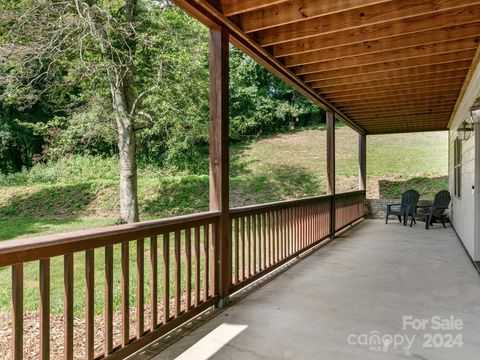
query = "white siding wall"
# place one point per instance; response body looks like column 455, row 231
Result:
column 462, row 209
column 464, row 216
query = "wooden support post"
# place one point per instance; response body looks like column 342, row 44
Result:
column 219, row 158
column 331, row 167
column 362, row 162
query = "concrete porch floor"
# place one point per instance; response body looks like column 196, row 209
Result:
column 364, row 282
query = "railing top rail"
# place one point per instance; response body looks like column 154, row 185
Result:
column 290, row 203
column 31, row 249
column 278, row 204
column 350, row 193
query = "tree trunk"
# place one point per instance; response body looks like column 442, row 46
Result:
column 120, row 77
column 127, row 154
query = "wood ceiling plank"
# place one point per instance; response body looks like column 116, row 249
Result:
column 233, row 7
column 297, row 10
column 466, row 84
column 386, row 115
column 385, row 45
column 395, row 105
column 422, row 98
column 408, row 121
column 372, row 33
column 399, row 94
column 400, row 131
column 351, row 19
column 413, row 81
column 408, row 65
column 391, row 56
column 406, row 88
column 395, row 76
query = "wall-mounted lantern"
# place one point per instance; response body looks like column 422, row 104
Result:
column 475, row 111
column 465, row 130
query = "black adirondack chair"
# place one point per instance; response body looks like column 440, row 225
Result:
column 405, row 208
column 436, row 211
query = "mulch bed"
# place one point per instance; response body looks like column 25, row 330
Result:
column 32, row 333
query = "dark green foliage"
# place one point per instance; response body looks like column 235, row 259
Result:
column 69, row 111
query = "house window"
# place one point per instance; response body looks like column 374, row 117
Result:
column 457, row 166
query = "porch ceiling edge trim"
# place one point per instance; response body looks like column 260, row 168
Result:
column 466, row 85
column 210, row 16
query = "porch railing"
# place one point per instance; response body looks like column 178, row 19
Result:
column 181, row 269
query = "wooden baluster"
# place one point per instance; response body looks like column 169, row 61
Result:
column 177, row 274
column 140, row 288
column 284, row 232
column 254, row 243
column 289, row 231
column 272, row 237
column 242, row 235
column 237, row 250
column 166, row 277
column 17, row 302
column 206, row 272
column 188, row 269
column 310, row 224
column 153, row 282
column 89, row 304
column 68, row 306
column 295, row 228
column 196, row 250
column 125, row 294
column 279, row 235
column 292, row 231
column 212, row 267
column 264, row 242
column 45, row 309
column 108, row 293
column 249, row 247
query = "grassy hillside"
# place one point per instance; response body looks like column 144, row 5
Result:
column 82, row 192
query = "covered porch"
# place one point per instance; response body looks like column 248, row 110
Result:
column 380, row 67
column 365, row 282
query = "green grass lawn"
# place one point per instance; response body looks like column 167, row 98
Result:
column 394, row 162
column 279, row 167
column 273, row 168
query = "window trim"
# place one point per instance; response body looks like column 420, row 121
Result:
column 457, row 168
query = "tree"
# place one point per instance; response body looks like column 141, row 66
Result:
column 51, row 37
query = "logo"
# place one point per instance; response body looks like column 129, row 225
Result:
column 434, row 332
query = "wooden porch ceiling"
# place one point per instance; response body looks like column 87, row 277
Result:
column 384, row 66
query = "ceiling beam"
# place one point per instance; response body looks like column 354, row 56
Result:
column 356, row 18
column 392, row 56
column 410, row 41
column 297, row 10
